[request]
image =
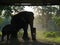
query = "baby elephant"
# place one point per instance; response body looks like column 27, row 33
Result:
column 7, row 30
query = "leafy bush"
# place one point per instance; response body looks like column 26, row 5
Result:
column 56, row 19
column 1, row 20
column 50, row 34
column 58, row 33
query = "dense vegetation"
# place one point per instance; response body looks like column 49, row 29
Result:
column 47, row 19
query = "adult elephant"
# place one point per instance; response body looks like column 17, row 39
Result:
column 21, row 20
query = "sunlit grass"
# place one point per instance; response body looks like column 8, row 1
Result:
column 57, row 40
column 40, row 36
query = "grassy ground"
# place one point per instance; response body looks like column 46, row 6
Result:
column 41, row 37
column 19, row 41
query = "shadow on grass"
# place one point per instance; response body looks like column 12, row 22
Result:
column 20, row 42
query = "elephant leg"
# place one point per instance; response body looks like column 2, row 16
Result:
column 33, row 31
column 8, row 36
column 11, row 36
column 3, row 35
column 15, row 34
column 25, row 34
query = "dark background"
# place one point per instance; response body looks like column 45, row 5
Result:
column 32, row 2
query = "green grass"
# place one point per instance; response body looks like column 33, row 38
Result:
column 40, row 36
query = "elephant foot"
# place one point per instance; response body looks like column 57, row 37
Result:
column 34, row 39
column 25, row 38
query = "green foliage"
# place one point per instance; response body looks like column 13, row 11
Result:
column 58, row 33
column 20, row 33
column 1, row 20
column 17, row 8
column 50, row 34
column 0, row 33
column 56, row 19
column 7, row 14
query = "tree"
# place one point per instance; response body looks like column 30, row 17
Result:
column 46, row 13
